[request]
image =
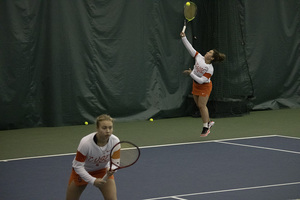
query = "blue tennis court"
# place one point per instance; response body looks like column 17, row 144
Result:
column 244, row 168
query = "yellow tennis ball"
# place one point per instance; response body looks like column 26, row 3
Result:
column 151, row 120
column 86, row 123
column 188, row 3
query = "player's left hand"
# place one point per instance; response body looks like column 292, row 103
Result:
column 188, row 71
column 99, row 182
column 110, row 173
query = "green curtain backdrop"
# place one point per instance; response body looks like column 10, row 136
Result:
column 272, row 35
column 64, row 62
column 262, row 42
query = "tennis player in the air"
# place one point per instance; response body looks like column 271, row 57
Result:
column 202, row 85
column 92, row 160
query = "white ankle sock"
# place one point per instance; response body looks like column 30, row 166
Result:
column 205, row 125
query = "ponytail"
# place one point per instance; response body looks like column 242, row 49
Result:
column 218, row 57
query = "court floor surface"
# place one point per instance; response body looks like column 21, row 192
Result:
column 265, row 167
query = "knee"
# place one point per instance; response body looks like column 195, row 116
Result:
column 109, row 190
column 202, row 107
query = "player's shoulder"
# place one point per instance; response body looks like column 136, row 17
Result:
column 114, row 139
column 88, row 137
column 211, row 68
column 199, row 56
column 86, row 142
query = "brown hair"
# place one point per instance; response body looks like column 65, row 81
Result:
column 103, row 117
column 218, row 57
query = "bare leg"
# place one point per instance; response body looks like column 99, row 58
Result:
column 201, row 103
column 109, row 190
column 74, row 191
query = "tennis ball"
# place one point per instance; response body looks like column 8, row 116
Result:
column 188, row 3
column 151, row 120
column 86, row 123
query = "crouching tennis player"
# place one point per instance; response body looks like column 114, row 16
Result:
column 92, row 160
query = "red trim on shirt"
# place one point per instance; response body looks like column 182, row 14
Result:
column 196, row 54
column 116, row 155
column 207, row 75
column 80, row 157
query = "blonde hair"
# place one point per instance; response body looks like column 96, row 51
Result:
column 103, row 117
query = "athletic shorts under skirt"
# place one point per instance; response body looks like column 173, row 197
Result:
column 79, row 181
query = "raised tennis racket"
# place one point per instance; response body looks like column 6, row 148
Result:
column 190, row 11
column 122, row 155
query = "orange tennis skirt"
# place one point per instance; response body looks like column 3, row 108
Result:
column 202, row 89
column 79, row 181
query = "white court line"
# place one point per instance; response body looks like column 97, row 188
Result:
column 259, row 147
column 210, row 141
column 34, row 157
column 146, row 147
column 290, row 137
column 228, row 190
column 174, row 197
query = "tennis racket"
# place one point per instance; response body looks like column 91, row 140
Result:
column 190, row 11
column 122, row 155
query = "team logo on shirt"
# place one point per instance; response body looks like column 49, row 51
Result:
column 102, row 159
column 199, row 69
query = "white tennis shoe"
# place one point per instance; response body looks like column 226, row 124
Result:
column 210, row 124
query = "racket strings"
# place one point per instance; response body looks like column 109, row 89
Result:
column 128, row 156
column 125, row 154
column 190, row 11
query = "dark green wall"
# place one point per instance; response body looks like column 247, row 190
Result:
column 64, row 62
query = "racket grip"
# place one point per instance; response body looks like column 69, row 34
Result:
column 105, row 177
column 183, row 29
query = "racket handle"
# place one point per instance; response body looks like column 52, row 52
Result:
column 105, row 177
column 183, row 29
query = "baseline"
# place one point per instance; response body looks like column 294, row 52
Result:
column 223, row 191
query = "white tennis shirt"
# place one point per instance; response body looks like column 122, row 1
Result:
column 202, row 71
column 91, row 157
